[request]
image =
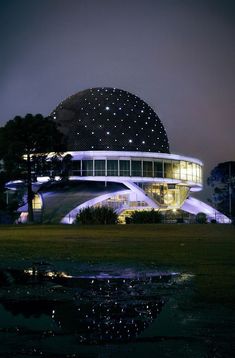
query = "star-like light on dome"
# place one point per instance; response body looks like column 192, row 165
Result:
column 126, row 115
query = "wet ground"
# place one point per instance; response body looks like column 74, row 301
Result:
column 108, row 311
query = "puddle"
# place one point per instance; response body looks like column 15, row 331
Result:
column 98, row 307
column 94, row 311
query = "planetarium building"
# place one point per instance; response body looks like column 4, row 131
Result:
column 120, row 158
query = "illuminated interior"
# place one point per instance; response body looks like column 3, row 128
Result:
column 121, row 157
column 168, row 196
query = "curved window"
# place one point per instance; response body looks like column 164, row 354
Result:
column 136, row 168
column 183, row 170
column 112, row 167
column 87, row 167
column 124, row 168
column 158, row 169
column 99, row 167
column 175, row 169
column 147, row 169
column 168, row 169
column 161, row 168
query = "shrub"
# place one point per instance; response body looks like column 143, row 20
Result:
column 201, row 218
column 145, row 217
column 128, row 220
column 97, row 216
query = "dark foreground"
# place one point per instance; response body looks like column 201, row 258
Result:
column 151, row 290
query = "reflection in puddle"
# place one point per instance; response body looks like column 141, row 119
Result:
column 98, row 308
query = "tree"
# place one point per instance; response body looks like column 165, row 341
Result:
column 222, row 182
column 22, row 139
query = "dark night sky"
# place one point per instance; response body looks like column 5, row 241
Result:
column 177, row 55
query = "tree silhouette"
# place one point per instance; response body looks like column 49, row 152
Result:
column 21, row 140
column 222, row 181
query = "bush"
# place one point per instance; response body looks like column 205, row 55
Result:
column 128, row 220
column 201, row 218
column 97, row 216
column 145, row 217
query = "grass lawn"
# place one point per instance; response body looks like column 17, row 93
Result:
column 205, row 250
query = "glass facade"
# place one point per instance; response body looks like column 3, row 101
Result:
column 169, row 196
column 151, row 168
column 136, row 168
column 124, row 168
column 168, row 169
column 112, row 167
column 158, row 169
column 148, row 169
column 175, row 169
column 99, row 168
column 87, row 167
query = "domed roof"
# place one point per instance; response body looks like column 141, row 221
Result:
column 110, row 119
